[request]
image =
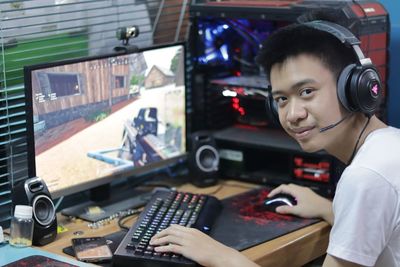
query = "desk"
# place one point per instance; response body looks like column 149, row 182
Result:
column 294, row 249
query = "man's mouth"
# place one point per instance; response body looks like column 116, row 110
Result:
column 301, row 132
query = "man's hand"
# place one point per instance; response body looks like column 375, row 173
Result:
column 197, row 246
column 309, row 204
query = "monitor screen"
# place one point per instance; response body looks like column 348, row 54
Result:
column 94, row 120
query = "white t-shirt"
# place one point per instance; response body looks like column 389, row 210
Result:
column 366, row 228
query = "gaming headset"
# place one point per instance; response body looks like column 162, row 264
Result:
column 359, row 86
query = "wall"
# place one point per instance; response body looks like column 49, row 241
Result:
column 393, row 7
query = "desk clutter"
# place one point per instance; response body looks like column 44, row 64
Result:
column 238, row 214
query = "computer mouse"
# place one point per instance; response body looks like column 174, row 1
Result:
column 271, row 203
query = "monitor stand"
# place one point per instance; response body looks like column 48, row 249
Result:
column 99, row 208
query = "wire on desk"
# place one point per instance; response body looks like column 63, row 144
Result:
column 119, row 215
column 216, row 190
column 121, row 223
column 225, row 183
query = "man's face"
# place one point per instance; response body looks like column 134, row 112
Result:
column 305, row 91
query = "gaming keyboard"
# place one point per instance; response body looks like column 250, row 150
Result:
column 165, row 208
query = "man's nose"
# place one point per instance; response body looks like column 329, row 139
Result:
column 296, row 112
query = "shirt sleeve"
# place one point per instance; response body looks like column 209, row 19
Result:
column 364, row 210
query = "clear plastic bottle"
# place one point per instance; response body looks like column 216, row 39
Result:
column 21, row 230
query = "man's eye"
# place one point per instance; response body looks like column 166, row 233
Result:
column 280, row 99
column 306, row 91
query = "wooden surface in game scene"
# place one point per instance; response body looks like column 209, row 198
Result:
column 292, row 249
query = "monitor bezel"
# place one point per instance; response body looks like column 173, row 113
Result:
column 104, row 180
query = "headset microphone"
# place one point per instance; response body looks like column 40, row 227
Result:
column 324, row 129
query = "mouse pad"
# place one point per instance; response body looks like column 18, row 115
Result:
column 39, row 261
column 113, row 241
column 241, row 225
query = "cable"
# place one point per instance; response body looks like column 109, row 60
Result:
column 358, row 140
column 119, row 215
column 121, row 224
column 216, row 190
column 239, row 186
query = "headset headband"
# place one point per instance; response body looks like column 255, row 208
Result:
column 345, row 36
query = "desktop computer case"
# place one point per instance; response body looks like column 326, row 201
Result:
column 245, row 138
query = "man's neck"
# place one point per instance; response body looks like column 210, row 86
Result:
column 353, row 137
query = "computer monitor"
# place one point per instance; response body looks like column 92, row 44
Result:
column 97, row 119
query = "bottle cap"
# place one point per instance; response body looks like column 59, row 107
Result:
column 23, row 212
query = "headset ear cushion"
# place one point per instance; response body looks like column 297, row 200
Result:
column 366, row 89
column 272, row 110
column 343, row 87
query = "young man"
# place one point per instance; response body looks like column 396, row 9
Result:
column 303, row 65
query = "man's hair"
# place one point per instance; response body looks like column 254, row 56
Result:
column 297, row 39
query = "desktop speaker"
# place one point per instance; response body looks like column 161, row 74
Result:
column 34, row 192
column 203, row 159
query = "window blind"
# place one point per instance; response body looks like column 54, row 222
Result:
column 34, row 32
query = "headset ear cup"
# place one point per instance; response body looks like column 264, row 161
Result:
column 272, row 110
column 359, row 87
column 366, row 89
column 343, row 87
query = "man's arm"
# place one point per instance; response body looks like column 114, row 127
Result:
column 326, row 209
column 331, row 261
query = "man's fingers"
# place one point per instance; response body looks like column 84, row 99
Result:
column 285, row 209
column 176, row 234
column 280, row 189
column 169, row 248
column 179, row 227
column 166, row 240
column 275, row 191
column 293, row 210
column 285, row 189
column 163, row 234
